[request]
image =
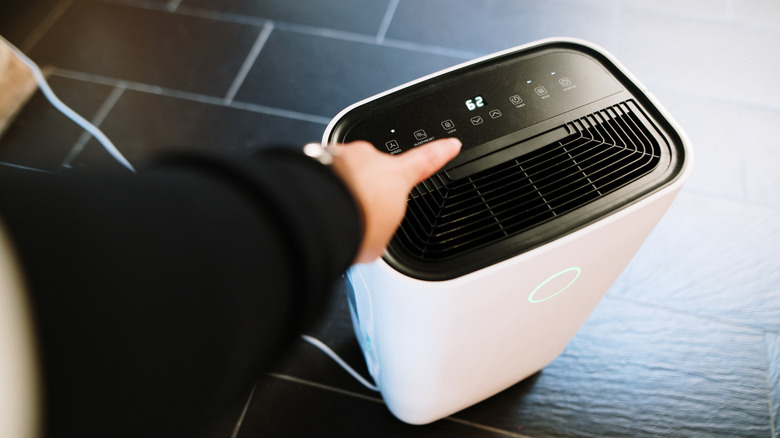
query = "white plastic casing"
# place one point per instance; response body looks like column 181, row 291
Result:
column 436, row 347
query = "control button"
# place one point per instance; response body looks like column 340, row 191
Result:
column 420, row 135
column 447, row 124
column 565, row 82
column 516, row 100
column 494, row 114
column 476, row 120
column 541, row 91
column 391, row 145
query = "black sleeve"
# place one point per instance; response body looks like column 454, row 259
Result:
column 160, row 297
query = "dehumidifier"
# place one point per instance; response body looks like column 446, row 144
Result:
column 567, row 164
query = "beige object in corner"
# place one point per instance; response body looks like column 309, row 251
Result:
column 17, row 84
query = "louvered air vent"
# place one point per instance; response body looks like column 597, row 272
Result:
column 603, row 152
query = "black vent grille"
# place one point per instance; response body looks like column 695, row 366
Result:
column 603, row 152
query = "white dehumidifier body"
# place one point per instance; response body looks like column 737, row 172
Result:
column 567, row 165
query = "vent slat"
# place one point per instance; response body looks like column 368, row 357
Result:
column 605, row 151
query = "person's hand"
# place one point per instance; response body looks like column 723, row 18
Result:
column 380, row 184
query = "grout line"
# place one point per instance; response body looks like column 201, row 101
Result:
column 731, row 199
column 226, row 17
column 19, row 166
column 186, row 95
column 47, row 23
column 486, row 428
column 710, row 318
column 318, row 31
column 430, row 49
column 279, row 112
column 378, row 400
column 257, row 47
column 386, row 21
column 240, row 422
column 143, row 4
column 136, row 86
column 326, row 387
column 310, row 30
column 173, row 5
column 100, row 116
column 368, row 39
column 324, row 32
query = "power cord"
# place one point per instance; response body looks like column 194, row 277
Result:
column 66, row 110
column 332, row 354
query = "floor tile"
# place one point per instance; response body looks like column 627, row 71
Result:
column 715, row 10
column 761, row 150
column 143, row 125
column 282, row 408
column 348, row 15
column 712, row 258
column 726, row 63
column 486, row 27
column 763, row 14
column 147, row 46
column 225, row 424
column 41, row 137
column 734, row 145
column 21, row 20
column 718, row 150
column 773, row 348
column 634, row 370
column 168, row 4
column 317, row 75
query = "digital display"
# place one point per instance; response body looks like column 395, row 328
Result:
column 480, row 107
column 475, row 102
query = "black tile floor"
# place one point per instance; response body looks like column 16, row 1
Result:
column 686, row 343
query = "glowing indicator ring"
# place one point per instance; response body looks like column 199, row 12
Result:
column 554, row 276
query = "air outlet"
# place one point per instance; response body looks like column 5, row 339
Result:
column 603, row 153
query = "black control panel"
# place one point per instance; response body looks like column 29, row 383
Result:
column 555, row 137
column 481, row 104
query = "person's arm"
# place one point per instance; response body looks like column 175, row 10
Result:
column 160, row 297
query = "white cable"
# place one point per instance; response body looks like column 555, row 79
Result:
column 67, row 111
column 325, row 349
